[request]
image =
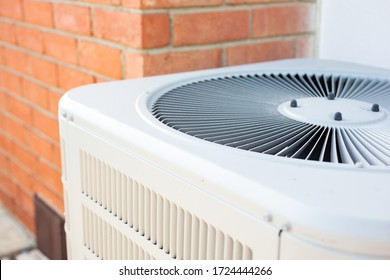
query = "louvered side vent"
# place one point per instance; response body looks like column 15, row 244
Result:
column 172, row 229
column 325, row 118
column 108, row 243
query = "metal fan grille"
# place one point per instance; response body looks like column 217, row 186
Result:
column 241, row 112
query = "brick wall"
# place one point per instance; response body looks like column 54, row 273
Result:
column 48, row 47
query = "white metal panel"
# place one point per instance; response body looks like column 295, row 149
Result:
column 294, row 248
column 105, row 229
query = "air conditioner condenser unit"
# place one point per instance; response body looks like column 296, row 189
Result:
column 278, row 160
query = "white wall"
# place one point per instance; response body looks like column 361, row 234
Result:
column 356, row 31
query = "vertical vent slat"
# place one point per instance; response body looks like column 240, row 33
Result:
column 211, row 243
column 85, row 229
column 125, row 242
column 160, row 217
column 96, row 235
column 114, row 192
column 153, row 219
column 166, row 226
column 173, row 231
column 113, row 243
column 187, row 236
column 135, row 206
column 90, row 230
column 237, row 250
column 147, row 211
column 130, row 221
column 130, row 250
column 108, row 186
column 89, row 175
column 124, row 198
column 228, row 247
column 141, row 208
column 219, row 242
column 83, row 169
column 195, row 239
column 119, row 195
column 104, row 187
column 101, row 237
column 94, row 179
column 247, row 253
column 119, row 246
column 202, row 240
column 180, row 234
column 99, row 197
column 105, row 240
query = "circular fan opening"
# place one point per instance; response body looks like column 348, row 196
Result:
column 326, row 118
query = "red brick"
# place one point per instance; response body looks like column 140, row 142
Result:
column 2, row 60
column 4, row 161
column 54, row 98
column 3, row 98
column 50, row 176
column 121, row 27
column 20, row 175
column 45, row 124
column 101, row 80
column 60, row 47
column 135, row 65
column 19, row 109
column 155, row 30
column 7, row 32
column 69, row 78
column 109, row 2
column 15, row 60
column 72, row 18
column 25, row 200
column 53, row 198
column 40, row 146
column 7, row 200
column 132, row 3
column 151, row 4
column 38, row 12
column 101, row 59
column 10, row 82
column 135, row 30
column 235, row 2
column 11, row 9
column 5, row 181
column 203, row 28
column 138, row 65
column 29, row 38
column 283, row 20
column 36, row 94
column 23, row 156
column 304, row 47
column 42, row 70
column 259, row 52
column 14, row 128
column 57, row 156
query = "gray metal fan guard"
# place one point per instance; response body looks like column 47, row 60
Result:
column 241, row 112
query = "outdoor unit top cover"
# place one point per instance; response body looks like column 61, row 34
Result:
column 303, row 145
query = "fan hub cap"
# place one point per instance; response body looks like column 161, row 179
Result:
column 321, row 111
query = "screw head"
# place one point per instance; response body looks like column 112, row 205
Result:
column 359, row 164
column 338, row 116
column 331, row 96
column 293, row 103
column 375, row 107
column 268, row 218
